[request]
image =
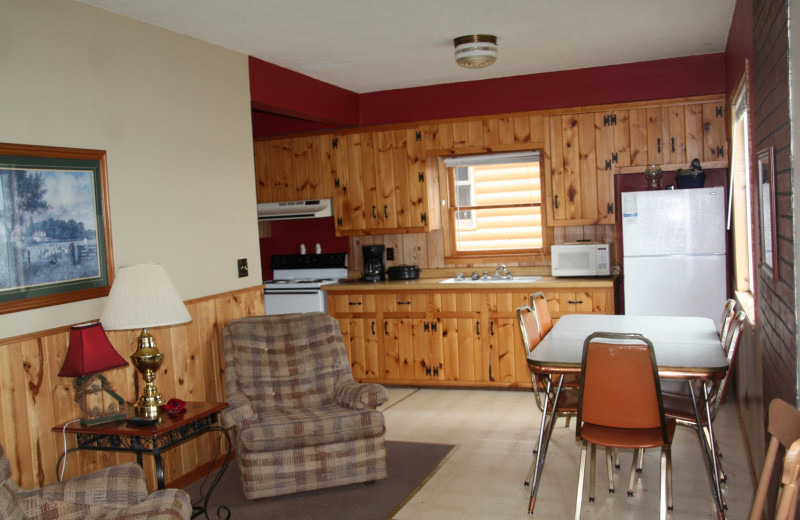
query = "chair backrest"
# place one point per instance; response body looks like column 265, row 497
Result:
column 726, row 318
column 790, row 477
column 285, row 362
column 529, row 328
column 543, row 319
column 731, row 346
column 784, row 430
column 619, row 383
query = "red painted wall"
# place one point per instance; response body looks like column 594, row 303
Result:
column 287, row 235
column 678, row 77
column 316, row 105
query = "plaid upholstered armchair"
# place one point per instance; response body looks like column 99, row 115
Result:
column 119, row 492
column 300, row 421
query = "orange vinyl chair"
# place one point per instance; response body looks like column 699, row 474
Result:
column 725, row 320
column 568, row 399
column 678, row 400
column 544, row 322
column 620, row 406
column 784, row 430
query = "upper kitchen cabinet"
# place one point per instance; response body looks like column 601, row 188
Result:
column 382, row 184
column 586, row 148
column 580, row 192
column 297, row 168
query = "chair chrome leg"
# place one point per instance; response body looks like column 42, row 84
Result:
column 609, row 470
column 616, row 458
column 668, row 449
column 634, row 470
column 592, row 463
column 581, row 474
column 663, row 504
column 640, row 462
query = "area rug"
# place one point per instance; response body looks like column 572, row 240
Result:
column 409, row 465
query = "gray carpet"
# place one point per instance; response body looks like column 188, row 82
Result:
column 408, row 465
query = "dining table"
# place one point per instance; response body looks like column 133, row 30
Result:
column 686, row 348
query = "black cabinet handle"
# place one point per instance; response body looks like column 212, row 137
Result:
column 673, row 144
column 478, row 328
column 403, row 303
column 374, row 212
column 386, row 327
column 658, row 142
column 491, row 328
column 353, row 303
column 555, row 201
column 386, row 211
column 373, row 327
column 573, row 302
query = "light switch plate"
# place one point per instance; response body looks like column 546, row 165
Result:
column 242, row 265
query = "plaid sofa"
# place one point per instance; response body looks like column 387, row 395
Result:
column 300, row 421
column 119, row 492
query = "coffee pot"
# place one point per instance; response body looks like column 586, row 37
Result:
column 374, row 270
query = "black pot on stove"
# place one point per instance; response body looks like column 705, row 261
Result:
column 374, row 270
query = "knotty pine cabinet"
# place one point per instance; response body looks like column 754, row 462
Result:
column 385, row 180
column 297, row 168
column 588, row 148
column 447, row 337
column 382, row 185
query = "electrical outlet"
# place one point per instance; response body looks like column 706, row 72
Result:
column 242, row 265
column 390, row 253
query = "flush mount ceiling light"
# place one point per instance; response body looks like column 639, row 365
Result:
column 476, row 51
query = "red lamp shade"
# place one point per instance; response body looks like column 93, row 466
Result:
column 89, row 352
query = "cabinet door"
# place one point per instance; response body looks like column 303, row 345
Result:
column 504, row 339
column 613, row 150
column 457, row 324
column 360, row 337
column 403, row 330
column 386, row 183
column 357, row 317
column 715, row 143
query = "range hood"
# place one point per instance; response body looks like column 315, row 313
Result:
column 295, row 209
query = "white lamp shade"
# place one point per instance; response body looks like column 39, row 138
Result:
column 143, row 296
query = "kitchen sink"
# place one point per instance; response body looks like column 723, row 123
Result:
column 515, row 279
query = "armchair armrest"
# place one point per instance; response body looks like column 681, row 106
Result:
column 240, row 411
column 164, row 504
column 359, row 396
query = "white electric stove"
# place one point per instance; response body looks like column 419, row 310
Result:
column 297, row 281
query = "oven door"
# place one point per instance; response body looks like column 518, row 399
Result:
column 287, row 301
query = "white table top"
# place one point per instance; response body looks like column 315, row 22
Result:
column 685, row 347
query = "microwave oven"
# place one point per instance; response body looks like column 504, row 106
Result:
column 581, row 259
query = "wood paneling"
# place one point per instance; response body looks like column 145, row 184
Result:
column 33, row 398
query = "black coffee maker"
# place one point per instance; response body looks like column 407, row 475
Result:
column 373, row 263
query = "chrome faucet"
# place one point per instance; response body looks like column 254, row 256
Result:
column 503, row 272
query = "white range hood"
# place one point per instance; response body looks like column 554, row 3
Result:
column 295, row 209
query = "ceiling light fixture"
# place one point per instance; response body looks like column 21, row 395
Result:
column 476, row 51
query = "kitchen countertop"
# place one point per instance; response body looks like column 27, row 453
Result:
column 432, row 283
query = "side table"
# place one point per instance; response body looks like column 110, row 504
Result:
column 166, row 433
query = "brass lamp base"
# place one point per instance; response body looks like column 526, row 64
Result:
column 147, row 358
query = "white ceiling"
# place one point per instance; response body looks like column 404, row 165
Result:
column 372, row 45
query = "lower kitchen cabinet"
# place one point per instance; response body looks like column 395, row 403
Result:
column 454, row 338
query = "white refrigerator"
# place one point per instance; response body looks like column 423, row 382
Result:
column 674, row 252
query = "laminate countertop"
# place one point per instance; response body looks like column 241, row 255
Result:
column 433, row 283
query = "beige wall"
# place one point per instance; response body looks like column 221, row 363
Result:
column 173, row 114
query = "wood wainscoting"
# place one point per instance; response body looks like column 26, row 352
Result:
column 33, row 398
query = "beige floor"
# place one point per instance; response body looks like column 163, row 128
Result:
column 494, row 433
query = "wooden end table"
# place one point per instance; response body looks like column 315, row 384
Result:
column 166, row 433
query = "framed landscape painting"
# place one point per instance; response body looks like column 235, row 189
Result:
column 55, row 234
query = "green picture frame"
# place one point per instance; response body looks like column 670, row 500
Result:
column 55, row 230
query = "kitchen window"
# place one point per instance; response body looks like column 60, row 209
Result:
column 741, row 193
column 495, row 204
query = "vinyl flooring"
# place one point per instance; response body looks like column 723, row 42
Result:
column 495, row 430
